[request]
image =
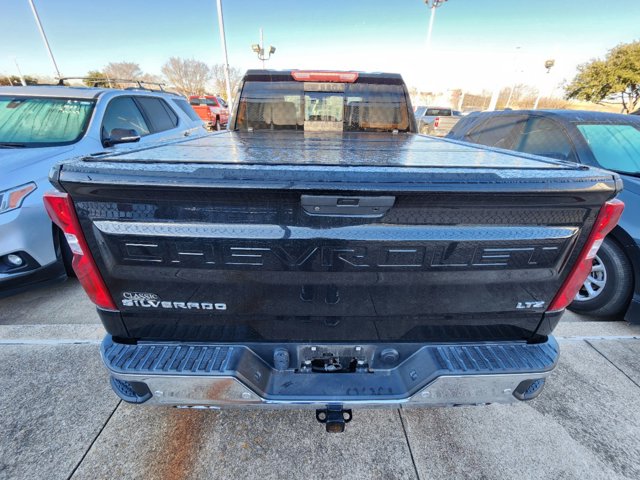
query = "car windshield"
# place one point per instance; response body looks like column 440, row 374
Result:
column 42, row 122
column 615, row 147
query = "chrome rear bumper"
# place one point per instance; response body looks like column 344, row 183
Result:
column 221, row 376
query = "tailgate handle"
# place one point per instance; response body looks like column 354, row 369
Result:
column 346, row 205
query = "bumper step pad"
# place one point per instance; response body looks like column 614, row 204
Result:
column 226, row 375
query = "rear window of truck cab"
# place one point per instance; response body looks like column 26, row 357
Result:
column 438, row 112
column 322, row 106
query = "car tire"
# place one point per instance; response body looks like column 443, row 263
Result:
column 67, row 256
column 607, row 290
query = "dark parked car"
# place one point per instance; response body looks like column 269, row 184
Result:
column 606, row 140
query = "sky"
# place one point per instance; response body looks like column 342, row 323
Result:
column 476, row 44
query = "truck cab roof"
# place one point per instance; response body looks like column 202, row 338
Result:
column 288, row 75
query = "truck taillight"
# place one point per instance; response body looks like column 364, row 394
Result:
column 60, row 208
column 309, row 76
column 436, row 122
column 606, row 221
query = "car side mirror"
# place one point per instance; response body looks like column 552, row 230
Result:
column 121, row 135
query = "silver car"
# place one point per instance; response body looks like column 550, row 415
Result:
column 43, row 125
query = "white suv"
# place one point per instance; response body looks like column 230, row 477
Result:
column 43, row 125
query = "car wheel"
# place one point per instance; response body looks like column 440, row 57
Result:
column 607, row 289
column 67, row 256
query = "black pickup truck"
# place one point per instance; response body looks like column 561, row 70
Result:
column 321, row 254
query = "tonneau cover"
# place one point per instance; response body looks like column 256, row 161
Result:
column 345, row 149
column 375, row 162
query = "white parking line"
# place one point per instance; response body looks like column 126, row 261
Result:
column 584, row 338
column 45, row 341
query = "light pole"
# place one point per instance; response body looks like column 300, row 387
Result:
column 22, row 80
column 432, row 5
column 493, row 101
column 548, row 64
column 513, row 86
column 223, row 42
column 44, row 38
column 259, row 49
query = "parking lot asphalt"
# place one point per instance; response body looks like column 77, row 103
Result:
column 60, row 418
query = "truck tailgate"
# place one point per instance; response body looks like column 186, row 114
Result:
column 371, row 238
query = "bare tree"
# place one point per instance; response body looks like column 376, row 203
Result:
column 523, row 96
column 188, row 76
column 520, row 96
column 219, row 85
column 123, row 70
column 474, row 101
column 149, row 77
column 457, row 98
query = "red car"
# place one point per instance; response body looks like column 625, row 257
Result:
column 212, row 109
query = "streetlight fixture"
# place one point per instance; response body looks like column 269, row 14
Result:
column 548, row 64
column 259, row 49
column 432, row 5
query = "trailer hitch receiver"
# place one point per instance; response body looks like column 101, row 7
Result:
column 334, row 418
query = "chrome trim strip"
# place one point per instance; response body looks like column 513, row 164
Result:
column 360, row 232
